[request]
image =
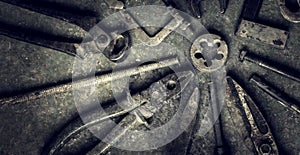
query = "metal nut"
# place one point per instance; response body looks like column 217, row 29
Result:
column 209, row 53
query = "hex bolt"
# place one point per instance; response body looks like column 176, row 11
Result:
column 281, row 98
column 245, row 55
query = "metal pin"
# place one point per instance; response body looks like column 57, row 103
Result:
column 244, row 55
column 281, row 98
column 88, row 82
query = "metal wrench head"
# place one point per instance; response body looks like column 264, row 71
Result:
column 259, row 131
column 287, row 13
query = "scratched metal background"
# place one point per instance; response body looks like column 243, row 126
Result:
column 25, row 128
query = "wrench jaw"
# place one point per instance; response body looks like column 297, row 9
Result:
column 293, row 17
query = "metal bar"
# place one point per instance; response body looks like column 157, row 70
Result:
column 216, row 98
column 88, row 82
column 245, row 55
column 281, row 98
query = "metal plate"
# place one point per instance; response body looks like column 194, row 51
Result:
column 262, row 33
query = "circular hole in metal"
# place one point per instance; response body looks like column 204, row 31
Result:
column 265, row 148
column 218, row 44
column 171, row 85
column 198, row 56
column 120, row 45
column 243, row 31
column 116, row 48
column 219, row 56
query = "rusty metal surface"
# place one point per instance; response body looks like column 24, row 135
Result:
column 37, row 123
column 209, row 52
column 262, row 33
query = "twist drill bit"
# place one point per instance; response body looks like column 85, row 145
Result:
column 88, row 82
column 244, row 55
column 281, row 98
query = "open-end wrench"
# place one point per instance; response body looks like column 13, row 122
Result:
column 260, row 133
column 287, row 13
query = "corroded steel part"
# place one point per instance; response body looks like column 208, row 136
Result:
column 129, row 118
column 262, row 33
column 260, row 133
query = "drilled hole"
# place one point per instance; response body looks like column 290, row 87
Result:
column 198, row 56
column 171, row 85
column 119, row 47
column 265, row 148
column 116, row 48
